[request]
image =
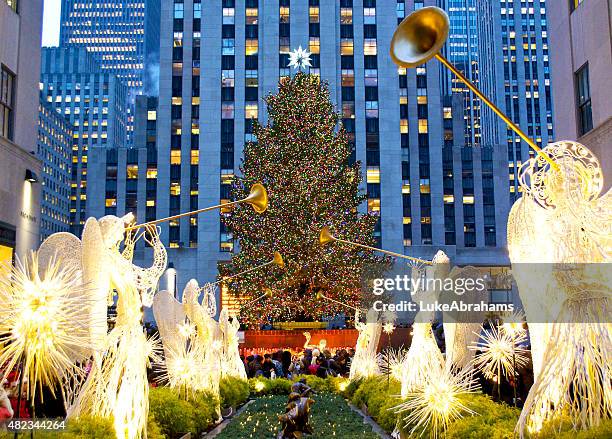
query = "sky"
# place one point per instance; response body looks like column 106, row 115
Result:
column 51, row 22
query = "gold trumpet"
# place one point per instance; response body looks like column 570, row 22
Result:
column 258, row 199
column 320, row 296
column 276, row 260
column 420, row 37
column 325, row 237
column 267, row 293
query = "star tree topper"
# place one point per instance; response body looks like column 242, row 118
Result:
column 299, row 59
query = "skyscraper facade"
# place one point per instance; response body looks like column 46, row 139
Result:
column 515, row 66
column 122, row 36
column 582, row 62
column 95, row 102
column 20, row 169
column 218, row 60
column 55, row 152
column 462, row 51
column 113, row 31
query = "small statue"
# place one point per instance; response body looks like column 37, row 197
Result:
column 295, row 420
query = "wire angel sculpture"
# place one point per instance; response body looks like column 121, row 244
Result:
column 191, row 340
column 117, row 384
column 232, row 365
column 424, row 357
column 365, row 361
column 564, row 222
column 461, row 327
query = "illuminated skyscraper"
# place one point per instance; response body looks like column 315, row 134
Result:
column 95, row 102
column 219, row 59
column 55, row 152
column 121, row 35
column 515, row 66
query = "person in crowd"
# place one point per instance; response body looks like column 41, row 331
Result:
column 6, row 410
column 255, row 367
column 286, row 363
column 267, row 366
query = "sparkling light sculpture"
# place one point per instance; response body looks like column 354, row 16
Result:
column 499, row 353
column 42, row 322
column 435, row 402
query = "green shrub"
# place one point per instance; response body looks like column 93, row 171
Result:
column 493, row 420
column 562, row 428
column 153, row 428
column 278, row 386
column 174, row 416
column 205, row 411
column 317, row 384
column 380, row 396
column 233, row 392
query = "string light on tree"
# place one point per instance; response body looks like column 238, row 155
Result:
column 302, row 158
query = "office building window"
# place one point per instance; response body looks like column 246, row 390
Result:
column 7, row 90
column 583, row 100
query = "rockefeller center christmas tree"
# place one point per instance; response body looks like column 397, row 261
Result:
column 302, row 157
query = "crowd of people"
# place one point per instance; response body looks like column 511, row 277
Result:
column 284, row 364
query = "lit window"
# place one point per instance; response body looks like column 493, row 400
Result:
column 313, row 14
column 150, row 203
column 406, row 188
column 449, row 199
column 314, row 45
column 195, row 156
column 251, row 15
column 371, row 77
column 404, row 126
column 373, row 174
column 468, row 199
column 284, row 14
column 227, row 78
column 346, row 16
column 151, row 172
column 423, row 128
column 250, row 111
column 132, row 171
column 348, row 78
column 374, row 205
column 228, row 15
column 251, row 47
column 369, row 15
column 175, row 157
column 175, row 188
column 346, row 47
column 407, row 220
column 111, row 202
column 369, row 46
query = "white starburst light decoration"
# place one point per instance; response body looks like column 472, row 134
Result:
column 436, row 402
column 299, row 59
column 499, row 353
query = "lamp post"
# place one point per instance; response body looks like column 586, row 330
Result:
column 171, row 279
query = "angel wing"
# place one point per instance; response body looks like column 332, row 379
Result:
column 169, row 315
column 96, row 277
column 65, row 248
column 461, row 328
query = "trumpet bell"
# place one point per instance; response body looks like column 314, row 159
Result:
column 278, row 260
column 320, row 296
column 419, row 37
column 268, row 292
column 258, row 198
column 325, row 236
